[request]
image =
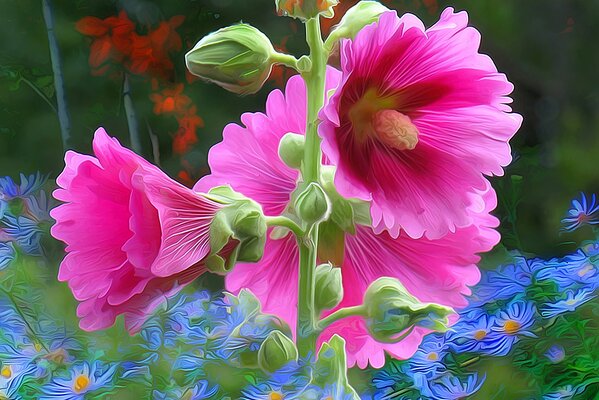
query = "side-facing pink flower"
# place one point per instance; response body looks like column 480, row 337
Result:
column 134, row 236
column 419, row 117
column 433, row 270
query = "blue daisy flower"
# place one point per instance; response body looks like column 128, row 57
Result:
column 572, row 302
column 84, row 378
column 39, row 206
column 12, row 377
column 285, row 384
column 503, row 283
column 29, row 184
column 556, row 353
column 7, row 254
column 25, row 232
column 428, row 359
column 591, row 249
column 574, row 269
column 512, row 323
column 565, row 393
column 583, row 212
column 450, row 387
column 473, row 334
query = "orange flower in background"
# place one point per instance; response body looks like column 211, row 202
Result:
column 171, row 101
column 281, row 73
column 150, row 53
column 186, row 136
column 111, row 40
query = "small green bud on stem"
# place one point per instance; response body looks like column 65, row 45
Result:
column 312, row 204
column 276, row 351
column 291, row 149
column 329, row 287
column 391, row 312
column 238, row 58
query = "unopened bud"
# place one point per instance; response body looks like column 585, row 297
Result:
column 237, row 232
column 291, row 149
column 362, row 14
column 329, row 287
column 237, row 58
column 312, row 204
column 391, row 310
column 306, row 9
column 276, row 351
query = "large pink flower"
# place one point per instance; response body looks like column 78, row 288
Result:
column 133, row 235
column 417, row 120
column 433, row 270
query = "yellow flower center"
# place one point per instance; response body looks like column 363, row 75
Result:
column 37, row 346
column 275, row 396
column 571, row 302
column 375, row 116
column 510, row 326
column 6, row 372
column 587, row 268
column 480, row 334
column 432, row 356
column 81, row 383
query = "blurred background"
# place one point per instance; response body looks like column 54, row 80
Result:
column 546, row 48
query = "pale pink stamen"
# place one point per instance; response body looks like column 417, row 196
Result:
column 395, row 129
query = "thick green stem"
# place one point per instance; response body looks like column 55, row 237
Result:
column 307, row 326
column 340, row 314
column 285, row 223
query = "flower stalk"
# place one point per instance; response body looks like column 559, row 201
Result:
column 307, row 324
column 63, row 114
column 131, row 116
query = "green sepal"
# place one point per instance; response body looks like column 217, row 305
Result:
column 356, row 18
column 330, row 368
column 240, row 224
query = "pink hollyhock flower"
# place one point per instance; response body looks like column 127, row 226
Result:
column 134, row 236
column 433, row 270
column 417, row 120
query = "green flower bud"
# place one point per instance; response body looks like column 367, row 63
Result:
column 238, row 58
column 237, row 232
column 276, row 351
column 391, row 311
column 364, row 13
column 291, row 149
column 306, row 9
column 312, row 204
column 329, row 287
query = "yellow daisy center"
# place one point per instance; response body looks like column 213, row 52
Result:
column 432, row 356
column 510, row 326
column 275, row 396
column 571, row 302
column 587, row 268
column 81, row 383
column 480, row 334
column 6, row 372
